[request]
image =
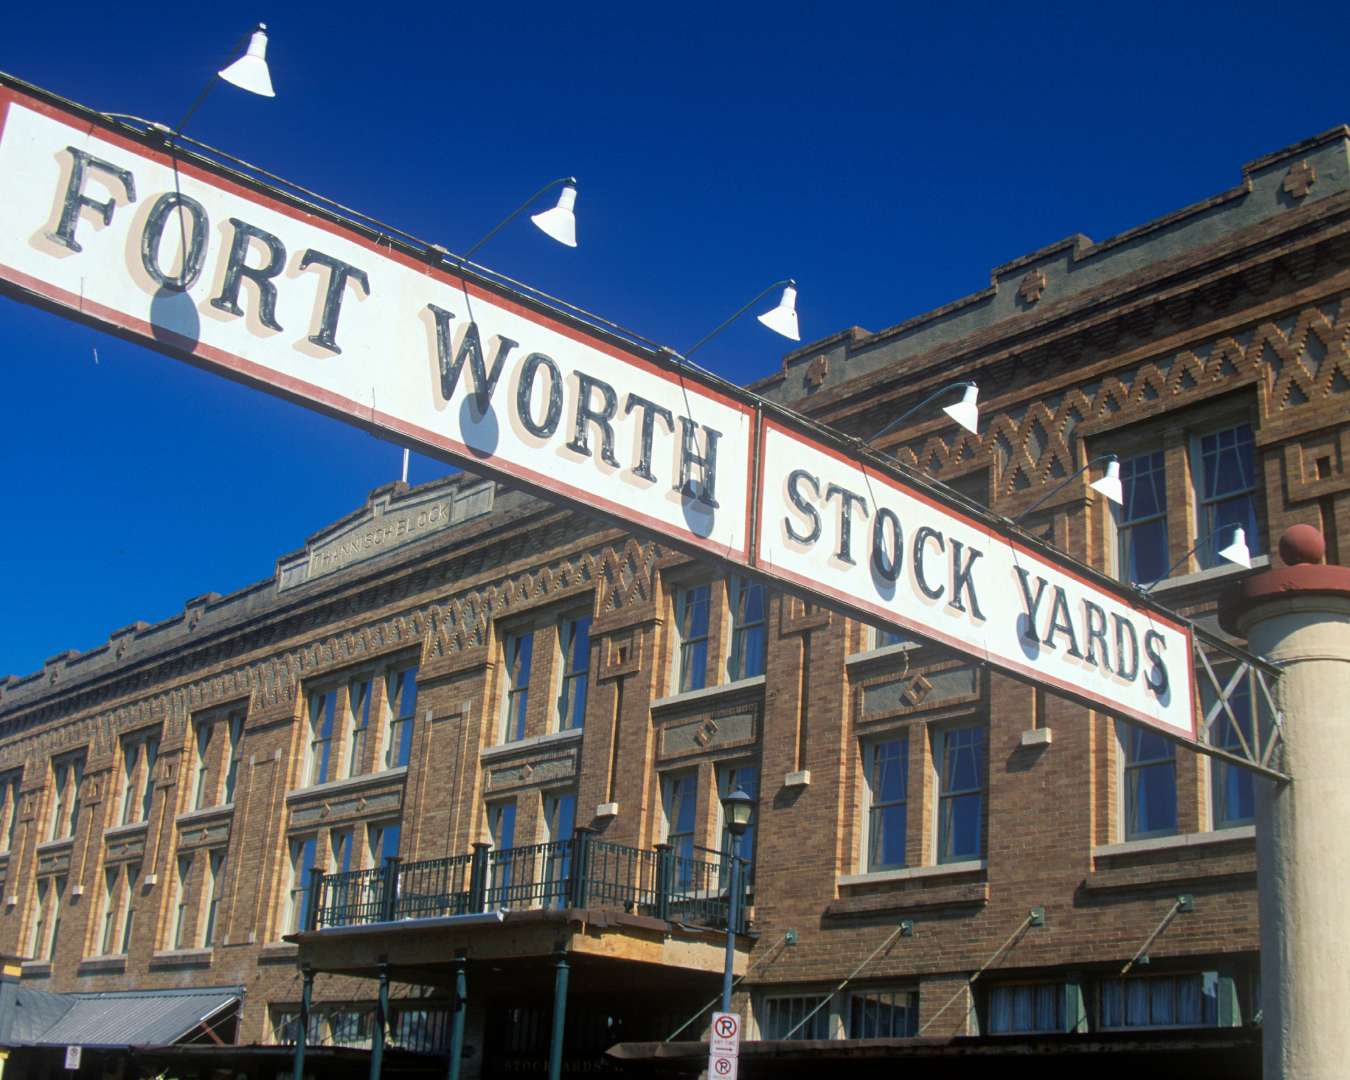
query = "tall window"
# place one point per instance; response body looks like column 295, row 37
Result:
column 1233, row 797
column 203, row 794
column 138, row 766
column 746, row 599
column 745, row 777
column 322, row 710
column 679, row 795
column 883, row 1014
column 1142, row 536
column 340, row 840
column 401, row 703
column 120, row 886
column 1150, row 782
column 47, row 917
column 67, row 775
column 382, row 840
column 131, row 879
column 560, row 814
column 234, row 749
column 574, row 645
column 302, row 854
column 358, row 724
column 886, row 766
column 502, row 828
column 9, row 811
column 1227, row 483
column 960, row 759
column 691, row 627
column 519, row 650
column 215, row 879
column 182, row 892
column 112, row 894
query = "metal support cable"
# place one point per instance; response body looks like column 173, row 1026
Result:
column 851, row 976
column 998, row 953
column 1182, row 903
column 714, row 1001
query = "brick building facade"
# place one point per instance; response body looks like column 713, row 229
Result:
column 459, row 665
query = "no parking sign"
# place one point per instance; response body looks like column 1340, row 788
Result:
column 724, row 1047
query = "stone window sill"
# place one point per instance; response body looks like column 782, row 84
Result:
column 884, row 652
column 116, row 832
column 36, row 968
column 1171, row 843
column 114, row 962
column 1213, row 574
column 534, row 742
column 350, row 783
column 182, row 956
column 914, row 888
column 205, row 813
column 709, row 694
column 279, row 950
column 909, row 873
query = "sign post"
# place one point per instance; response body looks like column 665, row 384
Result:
column 724, row 1047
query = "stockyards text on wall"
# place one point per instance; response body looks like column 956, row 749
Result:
column 117, row 227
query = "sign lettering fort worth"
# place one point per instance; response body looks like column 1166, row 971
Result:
column 105, row 224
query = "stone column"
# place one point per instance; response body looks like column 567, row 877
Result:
column 1298, row 617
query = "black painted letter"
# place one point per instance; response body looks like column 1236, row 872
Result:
column 887, row 563
column 795, row 477
column 76, row 198
column 338, row 273
column 586, row 416
column 650, row 411
column 706, row 491
column 922, row 535
column 470, row 347
column 236, row 270
column 846, row 500
column 194, row 246
column 525, row 392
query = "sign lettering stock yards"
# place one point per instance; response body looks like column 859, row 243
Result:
column 108, row 225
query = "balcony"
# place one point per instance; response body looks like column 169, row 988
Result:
column 688, row 887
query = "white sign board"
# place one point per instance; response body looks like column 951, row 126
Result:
column 829, row 523
column 724, row 1046
column 73, row 1056
column 107, row 226
column 99, row 223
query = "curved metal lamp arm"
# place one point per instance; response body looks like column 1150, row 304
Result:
column 709, row 336
column 1212, row 540
column 910, row 412
column 516, row 213
column 1067, row 481
column 206, row 90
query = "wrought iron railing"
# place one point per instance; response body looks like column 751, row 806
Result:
column 689, row 885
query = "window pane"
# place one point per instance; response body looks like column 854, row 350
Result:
column 747, row 628
column 574, row 641
column 1143, row 518
column 1150, row 784
column 691, row 622
column 519, row 658
column 888, row 781
column 1228, row 492
column 961, row 794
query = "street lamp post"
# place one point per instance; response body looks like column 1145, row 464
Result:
column 737, row 809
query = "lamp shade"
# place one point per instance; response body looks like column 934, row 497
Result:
column 966, row 412
column 783, row 318
column 1109, row 485
column 737, row 809
column 1237, row 552
column 250, row 72
column 559, row 221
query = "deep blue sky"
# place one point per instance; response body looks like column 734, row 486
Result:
column 886, row 155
